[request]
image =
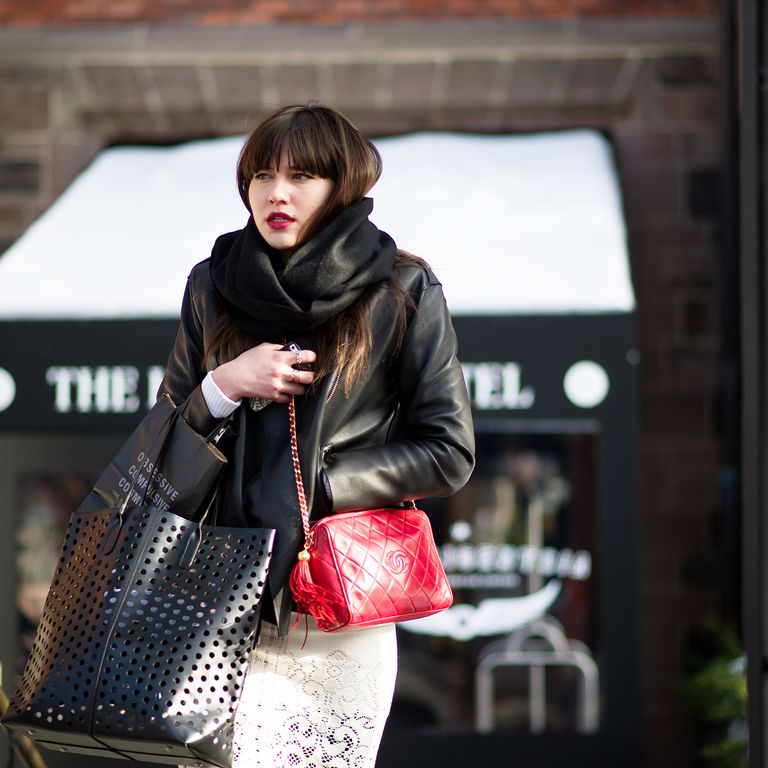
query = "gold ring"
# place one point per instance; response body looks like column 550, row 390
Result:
column 294, row 376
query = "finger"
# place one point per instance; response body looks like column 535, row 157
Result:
column 293, row 389
column 295, row 376
column 291, row 384
column 301, row 378
column 299, row 357
column 287, row 391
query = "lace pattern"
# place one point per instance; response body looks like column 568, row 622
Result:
column 321, row 707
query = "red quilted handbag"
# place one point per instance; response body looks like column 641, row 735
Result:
column 360, row 569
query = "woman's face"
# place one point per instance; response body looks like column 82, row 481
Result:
column 283, row 200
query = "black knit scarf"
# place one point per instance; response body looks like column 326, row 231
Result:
column 267, row 299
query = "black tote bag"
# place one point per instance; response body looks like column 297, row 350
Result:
column 169, row 465
column 143, row 646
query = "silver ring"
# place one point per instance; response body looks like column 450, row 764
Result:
column 298, row 357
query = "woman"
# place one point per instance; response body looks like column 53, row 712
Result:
column 382, row 416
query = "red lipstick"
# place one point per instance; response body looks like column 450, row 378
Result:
column 279, row 220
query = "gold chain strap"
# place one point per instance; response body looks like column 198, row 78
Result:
column 308, row 536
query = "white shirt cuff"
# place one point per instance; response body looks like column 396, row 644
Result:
column 218, row 403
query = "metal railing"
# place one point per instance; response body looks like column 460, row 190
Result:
column 537, row 646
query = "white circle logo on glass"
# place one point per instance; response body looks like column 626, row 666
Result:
column 7, row 389
column 586, row 384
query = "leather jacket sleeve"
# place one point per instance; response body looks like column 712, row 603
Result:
column 184, row 371
column 431, row 450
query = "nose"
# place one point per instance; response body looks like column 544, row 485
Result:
column 278, row 192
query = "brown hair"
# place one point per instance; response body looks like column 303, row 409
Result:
column 321, row 141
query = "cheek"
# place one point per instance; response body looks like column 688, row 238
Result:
column 253, row 196
column 258, row 196
column 322, row 194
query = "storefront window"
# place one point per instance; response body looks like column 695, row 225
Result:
column 518, row 649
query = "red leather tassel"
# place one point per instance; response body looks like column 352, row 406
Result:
column 317, row 601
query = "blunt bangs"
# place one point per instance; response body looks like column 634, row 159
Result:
column 299, row 138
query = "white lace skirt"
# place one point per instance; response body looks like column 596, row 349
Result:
column 323, row 706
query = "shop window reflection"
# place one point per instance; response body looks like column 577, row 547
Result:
column 518, row 649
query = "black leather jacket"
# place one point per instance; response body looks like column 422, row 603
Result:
column 404, row 432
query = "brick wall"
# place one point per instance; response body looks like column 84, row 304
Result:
column 231, row 12
column 665, row 151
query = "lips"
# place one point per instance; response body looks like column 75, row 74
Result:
column 279, row 220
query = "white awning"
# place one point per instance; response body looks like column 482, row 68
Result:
column 527, row 224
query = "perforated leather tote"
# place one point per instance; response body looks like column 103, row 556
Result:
column 143, row 646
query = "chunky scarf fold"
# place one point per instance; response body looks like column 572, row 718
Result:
column 268, row 299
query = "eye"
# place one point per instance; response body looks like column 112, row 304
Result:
column 302, row 175
column 261, row 175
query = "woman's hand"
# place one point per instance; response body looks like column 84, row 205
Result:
column 265, row 371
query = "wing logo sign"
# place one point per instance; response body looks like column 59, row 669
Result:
column 501, row 568
column 495, row 616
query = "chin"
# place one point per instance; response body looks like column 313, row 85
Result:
column 279, row 242
column 282, row 243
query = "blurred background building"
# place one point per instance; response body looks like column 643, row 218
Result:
column 654, row 77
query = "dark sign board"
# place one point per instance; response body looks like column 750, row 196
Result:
column 72, row 376
column 83, row 375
